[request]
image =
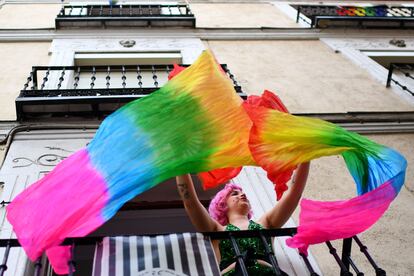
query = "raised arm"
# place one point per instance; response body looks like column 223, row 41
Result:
column 279, row 214
column 195, row 210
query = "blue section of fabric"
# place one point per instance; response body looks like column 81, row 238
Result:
column 123, row 154
column 387, row 165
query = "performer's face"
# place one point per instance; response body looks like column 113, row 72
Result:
column 237, row 200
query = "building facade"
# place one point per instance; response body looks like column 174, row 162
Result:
column 65, row 66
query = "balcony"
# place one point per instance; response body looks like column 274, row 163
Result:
column 91, row 90
column 106, row 16
column 324, row 16
column 106, row 253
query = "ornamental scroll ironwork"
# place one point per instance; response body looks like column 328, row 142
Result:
column 48, row 159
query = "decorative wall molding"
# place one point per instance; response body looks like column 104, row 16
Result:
column 63, row 50
column 8, row 35
column 382, row 43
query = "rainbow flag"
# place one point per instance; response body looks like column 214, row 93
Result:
column 194, row 123
column 279, row 142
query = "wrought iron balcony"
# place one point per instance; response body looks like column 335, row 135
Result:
column 324, row 16
column 77, row 16
column 345, row 261
column 91, row 90
column 402, row 75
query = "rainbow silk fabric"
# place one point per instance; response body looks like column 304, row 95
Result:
column 193, row 124
column 280, row 141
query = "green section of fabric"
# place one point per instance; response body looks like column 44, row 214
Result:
column 181, row 132
column 245, row 244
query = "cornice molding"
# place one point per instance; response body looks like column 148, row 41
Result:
column 204, row 33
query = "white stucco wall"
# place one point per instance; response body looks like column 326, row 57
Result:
column 17, row 59
column 28, row 16
column 307, row 74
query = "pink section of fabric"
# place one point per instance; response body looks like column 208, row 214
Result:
column 322, row 221
column 59, row 256
column 76, row 208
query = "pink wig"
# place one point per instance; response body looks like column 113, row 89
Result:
column 218, row 205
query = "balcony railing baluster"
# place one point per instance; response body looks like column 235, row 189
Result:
column 3, row 266
column 270, row 255
column 239, row 256
column 71, row 262
column 139, row 77
column 378, row 271
column 308, row 265
column 154, row 76
column 38, row 267
column 93, row 77
column 108, row 77
column 332, row 250
column 123, row 77
column 61, row 78
column 45, row 79
column 29, row 80
column 77, row 75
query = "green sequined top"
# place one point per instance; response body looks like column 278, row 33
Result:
column 254, row 245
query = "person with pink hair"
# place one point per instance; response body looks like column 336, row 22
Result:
column 230, row 210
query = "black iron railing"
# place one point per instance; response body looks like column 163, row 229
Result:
column 345, row 262
column 93, row 85
column 125, row 15
column 323, row 16
column 405, row 70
